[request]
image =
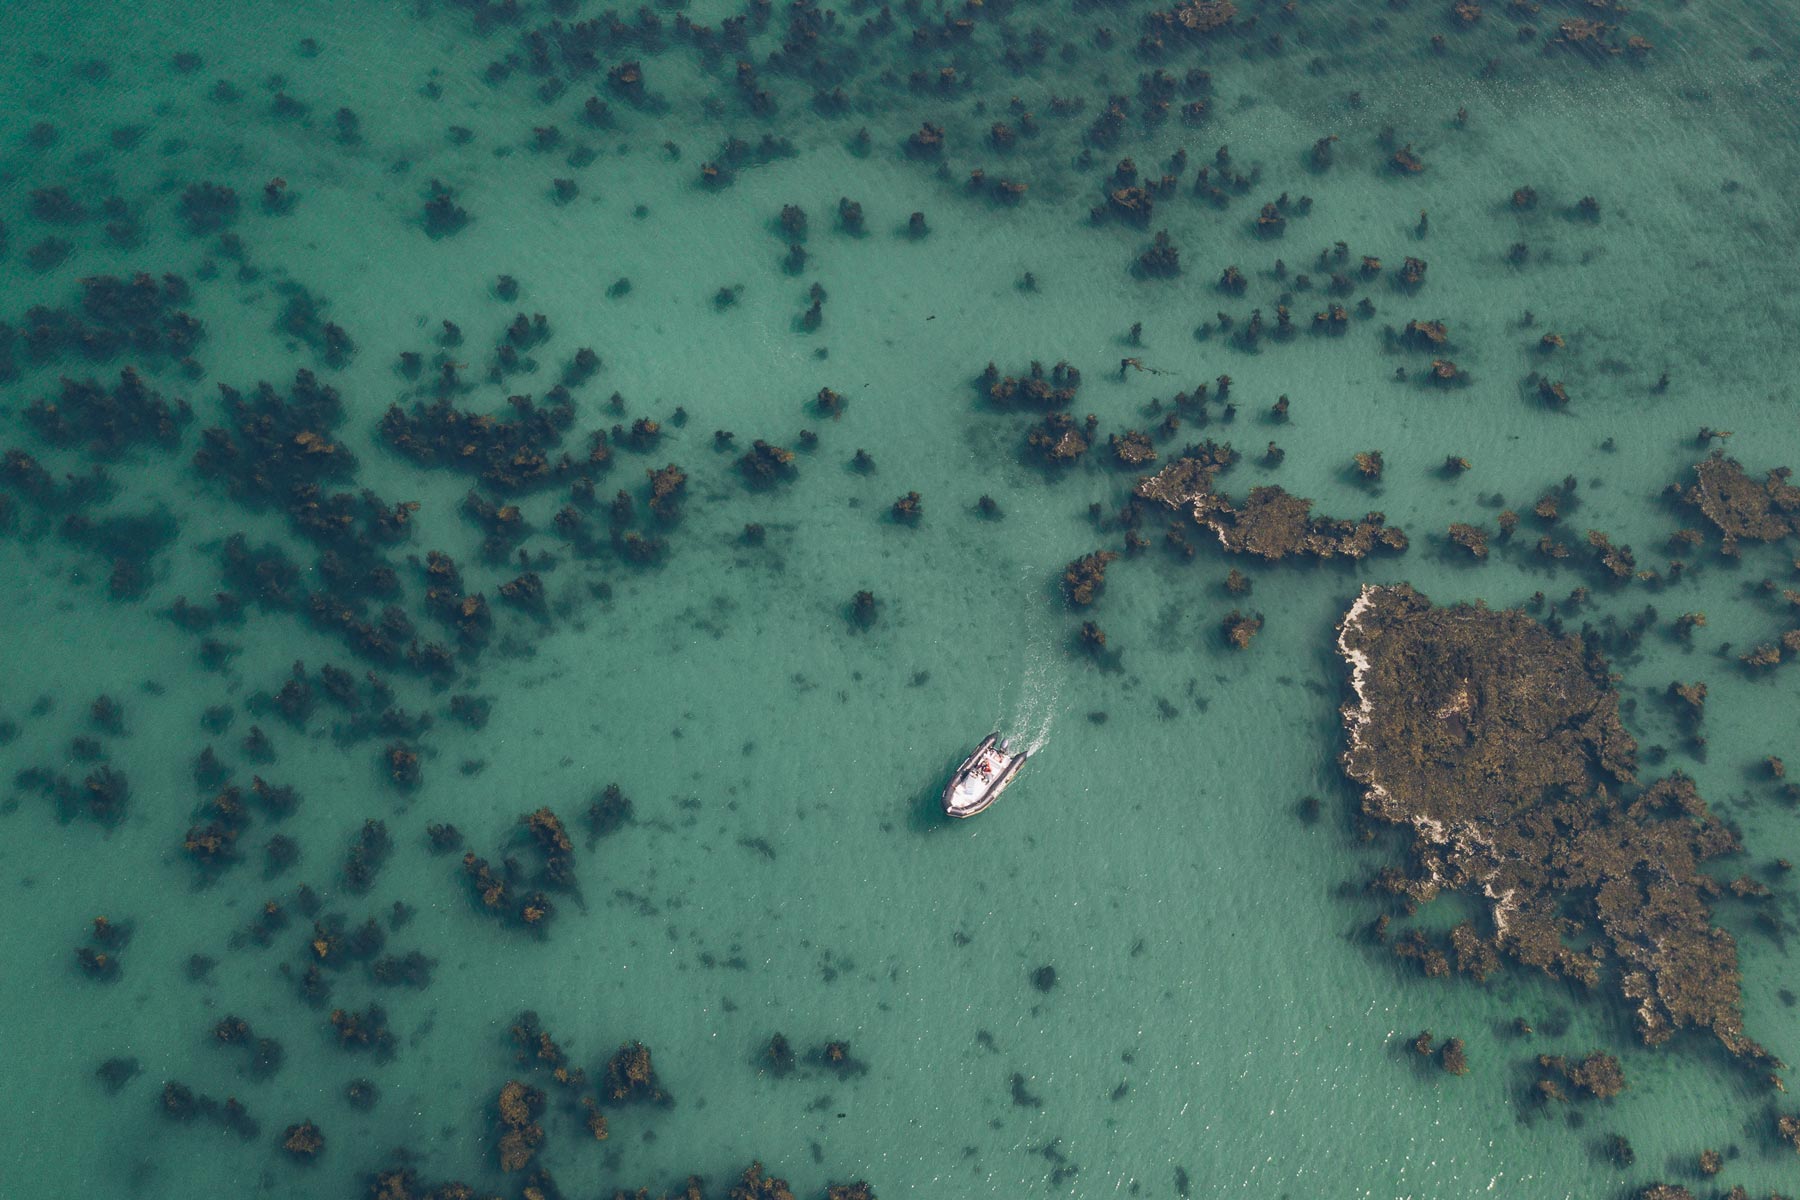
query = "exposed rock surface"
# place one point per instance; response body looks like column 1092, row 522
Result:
column 1271, row 522
column 1499, row 744
column 1737, row 505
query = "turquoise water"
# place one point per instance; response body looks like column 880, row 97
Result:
column 1218, row 1020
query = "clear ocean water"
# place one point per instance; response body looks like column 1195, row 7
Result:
column 1218, row 1023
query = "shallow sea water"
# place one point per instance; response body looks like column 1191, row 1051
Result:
column 1217, row 1016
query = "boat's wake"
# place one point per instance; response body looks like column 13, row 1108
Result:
column 1033, row 711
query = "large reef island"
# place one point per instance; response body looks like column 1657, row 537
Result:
column 1498, row 743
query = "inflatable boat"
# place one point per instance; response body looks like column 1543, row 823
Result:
column 982, row 777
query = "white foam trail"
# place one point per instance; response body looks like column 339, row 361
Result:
column 1040, row 735
column 1040, row 685
column 1043, row 685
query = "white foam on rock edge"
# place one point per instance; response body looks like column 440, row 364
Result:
column 1355, row 719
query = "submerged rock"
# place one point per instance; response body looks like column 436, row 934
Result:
column 1597, row 1076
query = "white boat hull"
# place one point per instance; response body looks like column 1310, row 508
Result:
column 982, row 777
